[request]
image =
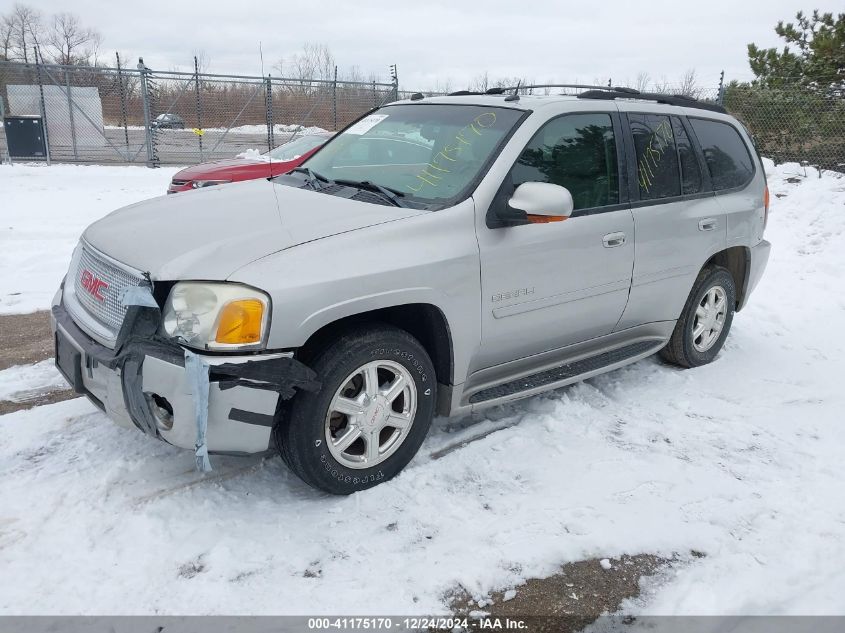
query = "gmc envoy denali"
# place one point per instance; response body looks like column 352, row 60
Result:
column 438, row 256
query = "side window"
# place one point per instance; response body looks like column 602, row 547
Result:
column 657, row 159
column 690, row 169
column 576, row 151
column 727, row 156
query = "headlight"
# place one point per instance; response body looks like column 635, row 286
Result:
column 217, row 315
column 199, row 184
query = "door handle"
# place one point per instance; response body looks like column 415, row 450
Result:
column 707, row 225
column 612, row 240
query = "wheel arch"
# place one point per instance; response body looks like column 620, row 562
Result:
column 424, row 321
column 737, row 260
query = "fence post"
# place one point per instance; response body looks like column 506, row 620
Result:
column 122, row 103
column 199, row 102
column 70, row 112
column 394, row 75
column 720, row 99
column 268, row 105
column 43, row 107
column 148, row 133
column 334, row 99
column 375, row 99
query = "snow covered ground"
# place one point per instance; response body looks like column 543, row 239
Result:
column 43, row 210
column 741, row 460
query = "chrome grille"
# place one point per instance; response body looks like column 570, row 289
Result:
column 109, row 311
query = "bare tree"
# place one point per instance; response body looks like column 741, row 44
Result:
column 7, row 32
column 71, row 43
column 642, row 81
column 26, row 30
column 314, row 61
column 480, row 83
column 203, row 60
column 689, row 85
column 662, row 86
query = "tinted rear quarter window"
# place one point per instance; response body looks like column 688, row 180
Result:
column 727, row 156
column 690, row 169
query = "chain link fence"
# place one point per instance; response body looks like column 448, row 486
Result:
column 794, row 123
column 138, row 115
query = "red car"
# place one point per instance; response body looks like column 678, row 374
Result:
column 279, row 161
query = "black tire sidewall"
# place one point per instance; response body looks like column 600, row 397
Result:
column 303, row 433
column 717, row 277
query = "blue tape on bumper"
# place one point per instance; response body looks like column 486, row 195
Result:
column 197, row 375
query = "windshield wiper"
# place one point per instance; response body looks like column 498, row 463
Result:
column 314, row 179
column 394, row 195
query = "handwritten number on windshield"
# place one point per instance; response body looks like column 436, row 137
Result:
column 433, row 172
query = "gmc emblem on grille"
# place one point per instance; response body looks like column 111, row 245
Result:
column 94, row 285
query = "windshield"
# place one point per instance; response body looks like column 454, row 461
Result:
column 428, row 152
column 297, row 147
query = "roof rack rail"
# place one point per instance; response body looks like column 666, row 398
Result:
column 676, row 100
column 499, row 90
column 581, row 86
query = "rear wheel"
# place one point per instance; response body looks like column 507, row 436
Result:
column 705, row 321
column 370, row 416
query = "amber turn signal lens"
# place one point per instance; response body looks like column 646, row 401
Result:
column 240, row 322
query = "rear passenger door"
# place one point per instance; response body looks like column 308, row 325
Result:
column 678, row 222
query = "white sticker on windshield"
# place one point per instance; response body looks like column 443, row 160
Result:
column 366, row 124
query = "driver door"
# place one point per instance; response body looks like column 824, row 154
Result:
column 549, row 285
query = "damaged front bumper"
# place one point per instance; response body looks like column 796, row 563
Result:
column 143, row 383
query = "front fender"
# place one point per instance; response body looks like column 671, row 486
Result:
column 430, row 258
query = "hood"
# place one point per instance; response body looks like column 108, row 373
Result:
column 231, row 168
column 210, row 233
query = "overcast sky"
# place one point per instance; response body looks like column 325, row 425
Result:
column 435, row 40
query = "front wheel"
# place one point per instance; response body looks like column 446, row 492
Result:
column 370, row 416
column 705, row 321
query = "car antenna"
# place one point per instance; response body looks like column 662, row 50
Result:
column 269, row 101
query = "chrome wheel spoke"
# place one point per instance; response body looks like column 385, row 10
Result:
column 348, row 406
column 699, row 330
column 372, row 447
column 395, row 388
column 346, row 440
column 371, row 380
column 399, row 420
column 701, row 312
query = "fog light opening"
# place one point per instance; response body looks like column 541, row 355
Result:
column 162, row 411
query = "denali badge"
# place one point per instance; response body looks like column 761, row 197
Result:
column 94, row 285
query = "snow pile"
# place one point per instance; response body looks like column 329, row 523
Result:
column 21, row 382
column 741, row 460
column 253, row 154
column 44, row 211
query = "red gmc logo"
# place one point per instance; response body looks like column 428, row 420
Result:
column 94, row 285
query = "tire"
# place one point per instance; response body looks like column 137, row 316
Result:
column 684, row 348
column 345, row 367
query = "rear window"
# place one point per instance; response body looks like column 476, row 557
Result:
column 727, row 156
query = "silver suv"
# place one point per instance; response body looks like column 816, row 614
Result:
column 438, row 256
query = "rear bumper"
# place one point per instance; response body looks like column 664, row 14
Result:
column 759, row 260
column 145, row 386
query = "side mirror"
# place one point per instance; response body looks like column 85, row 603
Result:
column 542, row 202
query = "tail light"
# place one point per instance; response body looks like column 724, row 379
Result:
column 765, row 207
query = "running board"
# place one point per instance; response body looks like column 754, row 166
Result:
column 566, row 374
